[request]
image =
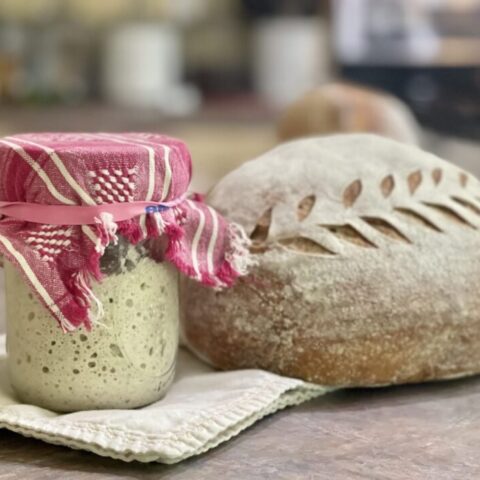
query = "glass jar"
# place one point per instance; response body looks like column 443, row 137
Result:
column 127, row 361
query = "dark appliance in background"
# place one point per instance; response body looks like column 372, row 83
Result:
column 268, row 8
column 427, row 52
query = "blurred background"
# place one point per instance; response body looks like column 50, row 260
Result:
column 222, row 74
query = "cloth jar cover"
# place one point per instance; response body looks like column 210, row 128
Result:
column 107, row 174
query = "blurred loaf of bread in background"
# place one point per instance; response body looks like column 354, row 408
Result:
column 347, row 108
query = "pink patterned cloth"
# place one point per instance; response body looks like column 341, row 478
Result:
column 59, row 262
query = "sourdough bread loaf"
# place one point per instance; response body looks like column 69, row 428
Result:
column 345, row 108
column 368, row 266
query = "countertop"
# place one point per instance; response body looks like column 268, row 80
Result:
column 429, row 431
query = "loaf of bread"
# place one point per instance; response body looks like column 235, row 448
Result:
column 368, row 266
column 345, row 108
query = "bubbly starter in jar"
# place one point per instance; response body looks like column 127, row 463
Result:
column 127, row 361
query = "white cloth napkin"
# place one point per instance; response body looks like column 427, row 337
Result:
column 202, row 409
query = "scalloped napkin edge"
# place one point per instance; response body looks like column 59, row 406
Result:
column 203, row 409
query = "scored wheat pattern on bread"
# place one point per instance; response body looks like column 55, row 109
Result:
column 426, row 201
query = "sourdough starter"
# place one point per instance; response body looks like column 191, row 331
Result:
column 126, row 361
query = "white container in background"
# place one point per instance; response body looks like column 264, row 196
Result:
column 142, row 67
column 291, row 55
